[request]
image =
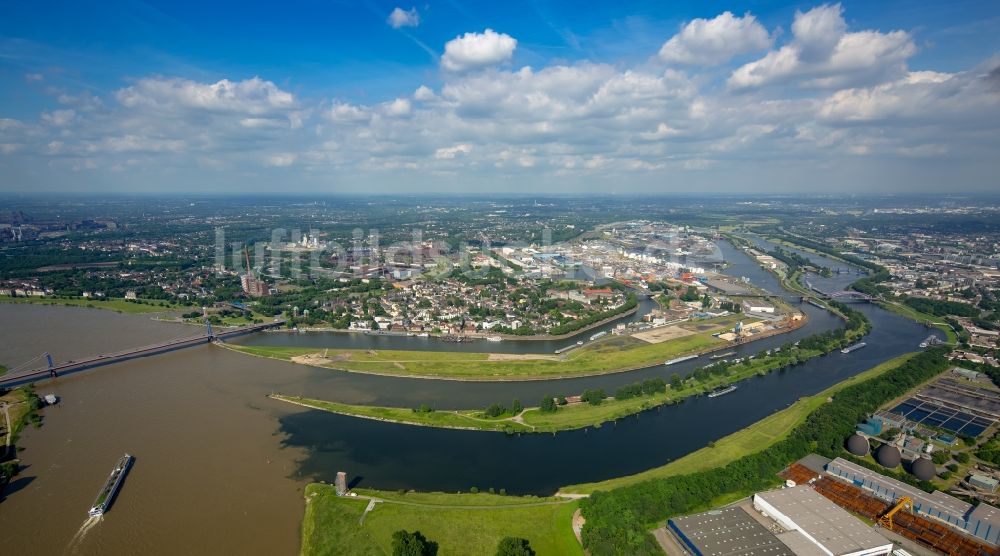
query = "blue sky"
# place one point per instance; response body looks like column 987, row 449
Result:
column 328, row 96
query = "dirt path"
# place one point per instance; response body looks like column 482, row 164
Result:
column 372, row 500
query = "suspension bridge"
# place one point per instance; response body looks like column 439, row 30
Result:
column 42, row 366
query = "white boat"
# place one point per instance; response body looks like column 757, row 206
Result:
column 494, row 339
column 423, row 335
column 856, row 346
column 680, row 359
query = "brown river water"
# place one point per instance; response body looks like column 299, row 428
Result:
column 210, row 476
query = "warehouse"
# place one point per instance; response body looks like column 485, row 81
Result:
column 725, row 532
column 826, row 525
column 982, row 521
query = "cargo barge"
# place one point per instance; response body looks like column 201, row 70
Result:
column 111, row 486
column 721, row 391
column 855, row 347
column 680, row 359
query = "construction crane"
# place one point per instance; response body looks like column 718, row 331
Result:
column 886, row 519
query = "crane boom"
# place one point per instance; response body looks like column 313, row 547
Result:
column 886, row 519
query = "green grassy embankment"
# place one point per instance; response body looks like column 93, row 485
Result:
column 116, row 304
column 607, row 355
column 460, row 524
column 573, row 416
column 464, row 419
column 752, row 439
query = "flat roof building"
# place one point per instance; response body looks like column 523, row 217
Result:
column 984, row 482
column 826, row 525
column 726, row 532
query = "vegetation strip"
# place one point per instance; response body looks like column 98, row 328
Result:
column 117, row 305
column 596, row 407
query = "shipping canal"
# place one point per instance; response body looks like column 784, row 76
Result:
column 220, row 467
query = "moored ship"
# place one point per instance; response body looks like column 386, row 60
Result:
column 680, row 359
column 721, row 391
column 111, row 486
column 856, row 346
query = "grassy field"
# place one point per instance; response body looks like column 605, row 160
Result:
column 608, row 355
column 466, row 419
column 752, row 439
column 461, row 524
column 119, row 305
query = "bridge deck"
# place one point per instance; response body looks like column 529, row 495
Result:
column 35, row 375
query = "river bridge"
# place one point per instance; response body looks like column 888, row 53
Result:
column 52, row 370
column 846, row 296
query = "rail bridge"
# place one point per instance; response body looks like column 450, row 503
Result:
column 52, row 370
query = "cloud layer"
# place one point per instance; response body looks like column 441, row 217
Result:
column 827, row 102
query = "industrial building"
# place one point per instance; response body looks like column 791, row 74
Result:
column 825, row 525
column 793, row 521
column 725, row 532
column 982, row 521
column 984, row 482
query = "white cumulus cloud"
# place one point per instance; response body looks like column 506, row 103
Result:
column 446, row 153
column 822, row 54
column 713, row 41
column 476, row 50
column 403, row 18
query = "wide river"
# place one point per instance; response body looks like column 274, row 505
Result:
column 220, row 467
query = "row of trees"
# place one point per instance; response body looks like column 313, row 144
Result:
column 647, row 387
column 617, row 520
column 499, row 409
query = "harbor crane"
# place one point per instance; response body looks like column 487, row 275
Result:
column 886, row 519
